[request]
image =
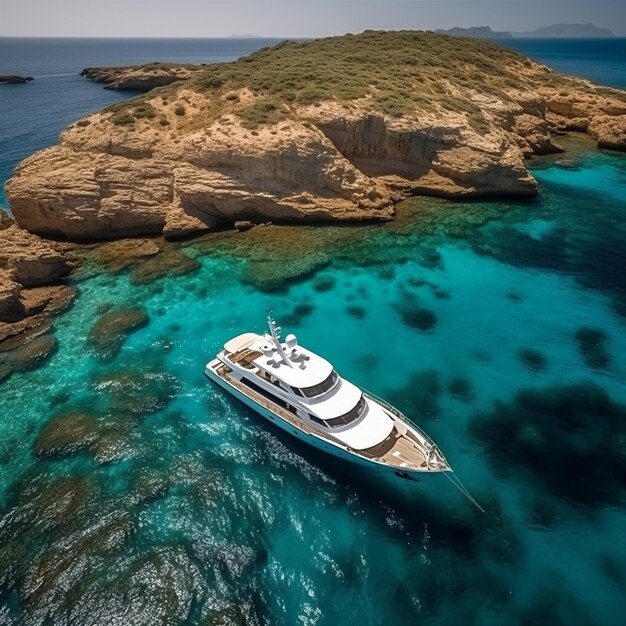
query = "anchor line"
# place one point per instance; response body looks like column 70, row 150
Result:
column 461, row 487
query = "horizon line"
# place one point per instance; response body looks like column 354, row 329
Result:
column 439, row 31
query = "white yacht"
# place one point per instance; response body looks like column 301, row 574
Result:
column 302, row 393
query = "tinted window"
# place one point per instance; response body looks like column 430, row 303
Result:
column 317, row 420
column 324, row 386
column 344, row 419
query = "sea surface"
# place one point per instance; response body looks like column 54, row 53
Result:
column 133, row 491
column 600, row 60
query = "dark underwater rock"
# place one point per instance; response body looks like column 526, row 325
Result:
column 61, row 577
column 171, row 261
column 419, row 318
column 357, row 312
column 33, row 353
column 571, row 439
column 230, row 615
column 66, row 434
column 104, row 437
column 431, row 259
column 298, row 315
column 533, row 359
column 42, row 505
column 419, row 398
column 136, row 392
column 116, row 256
column 37, row 509
column 108, row 334
column 323, row 284
column 148, row 488
column 592, row 346
column 460, row 388
column 157, row 588
column 27, row 356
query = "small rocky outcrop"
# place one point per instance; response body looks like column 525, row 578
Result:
column 140, row 77
column 31, row 292
column 12, row 79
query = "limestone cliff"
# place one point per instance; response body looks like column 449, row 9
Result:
column 333, row 129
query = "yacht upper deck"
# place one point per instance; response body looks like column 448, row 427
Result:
column 291, row 363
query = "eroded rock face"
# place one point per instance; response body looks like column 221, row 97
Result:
column 30, row 260
column 119, row 184
column 27, row 299
column 11, row 307
column 602, row 117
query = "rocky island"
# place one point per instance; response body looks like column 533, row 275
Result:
column 332, row 129
column 12, row 79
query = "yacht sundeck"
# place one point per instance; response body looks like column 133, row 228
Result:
column 303, row 394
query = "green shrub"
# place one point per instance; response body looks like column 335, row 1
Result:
column 144, row 110
column 122, row 118
column 312, row 95
column 180, row 110
column 261, row 112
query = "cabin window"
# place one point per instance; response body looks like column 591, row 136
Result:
column 348, row 417
column 344, row 419
column 316, row 390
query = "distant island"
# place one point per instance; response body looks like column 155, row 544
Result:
column 480, row 32
column 562, row 31
column 568, row 31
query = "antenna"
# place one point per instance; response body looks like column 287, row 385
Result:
column 275, row 335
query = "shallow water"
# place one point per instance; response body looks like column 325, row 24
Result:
column 205, row 512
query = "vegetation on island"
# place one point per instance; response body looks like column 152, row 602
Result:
column 398, row 73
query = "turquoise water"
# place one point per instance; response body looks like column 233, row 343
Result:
column 207, row 513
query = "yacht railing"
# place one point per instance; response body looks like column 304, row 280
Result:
column 434, row 455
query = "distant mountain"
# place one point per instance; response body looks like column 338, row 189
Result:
column 568, row 31
column 479, row 32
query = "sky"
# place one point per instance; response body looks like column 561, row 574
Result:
column 290, row 18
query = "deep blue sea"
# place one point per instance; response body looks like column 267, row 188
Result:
column 169, row 503
column 600, row 60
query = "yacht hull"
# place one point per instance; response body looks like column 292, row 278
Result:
column 315, row 441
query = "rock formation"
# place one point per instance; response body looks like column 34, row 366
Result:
column 334, row 129
column 12, row 79
column 140, row 77
column 31, row 292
